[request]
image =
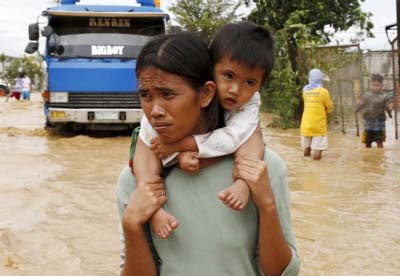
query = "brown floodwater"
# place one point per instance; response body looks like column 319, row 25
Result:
column 58, row 211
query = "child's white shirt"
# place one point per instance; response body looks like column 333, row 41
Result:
column 240, row 124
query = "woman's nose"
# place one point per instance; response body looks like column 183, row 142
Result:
column 157, row 111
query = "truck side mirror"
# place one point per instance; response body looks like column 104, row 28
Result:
column 31, row 47
column 47, row 31
column 33, row 30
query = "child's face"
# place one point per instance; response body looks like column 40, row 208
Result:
column 236, row 83
column 377, row 87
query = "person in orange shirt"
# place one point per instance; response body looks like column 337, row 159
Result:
column 317, row 104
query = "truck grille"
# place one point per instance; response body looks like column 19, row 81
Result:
column 100, row 100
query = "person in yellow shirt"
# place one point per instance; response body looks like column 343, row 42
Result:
column 317, row 104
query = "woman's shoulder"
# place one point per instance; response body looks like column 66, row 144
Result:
column 125, row 185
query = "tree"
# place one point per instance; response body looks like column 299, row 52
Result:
column 302, row 23
column 204, row 17
column 2, row 60
column 30, row 65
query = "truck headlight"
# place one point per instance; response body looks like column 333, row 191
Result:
column 58, row 97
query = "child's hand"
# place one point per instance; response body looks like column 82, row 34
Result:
column 160, row 149
column 188, row 162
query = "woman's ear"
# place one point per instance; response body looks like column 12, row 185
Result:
column 207, row 93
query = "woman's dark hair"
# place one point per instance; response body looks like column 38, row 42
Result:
column 246, row 43
column 185, row 55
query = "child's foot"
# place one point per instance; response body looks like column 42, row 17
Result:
column 236, row 196
column 163, row 223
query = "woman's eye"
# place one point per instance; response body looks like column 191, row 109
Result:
column 144, row 95
column 168, row 94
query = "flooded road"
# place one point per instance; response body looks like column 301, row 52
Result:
column 58, row 211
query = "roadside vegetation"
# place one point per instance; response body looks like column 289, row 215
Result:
column 299, row 28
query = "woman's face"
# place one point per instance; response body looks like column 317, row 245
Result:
column 172, row 107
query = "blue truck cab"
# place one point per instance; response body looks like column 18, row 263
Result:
column 90, row 52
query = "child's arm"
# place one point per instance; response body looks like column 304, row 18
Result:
column 146, row 164
column 361, row 105
column 240, row 125
column 163, row 150
column 389, row 108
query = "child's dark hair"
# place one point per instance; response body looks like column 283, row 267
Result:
column 245, row 43
column 377, row 77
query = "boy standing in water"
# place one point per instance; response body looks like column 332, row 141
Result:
column 317, row 104
column 242, row 56
column 374, row 103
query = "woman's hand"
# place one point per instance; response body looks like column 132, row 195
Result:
column 144, row 201
column 255, row 173
column 160, row 149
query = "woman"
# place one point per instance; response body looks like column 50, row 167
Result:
column 177, row 97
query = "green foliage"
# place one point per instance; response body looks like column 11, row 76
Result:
column 282, row 95
column 32, row 66
column 204, row 17
column 3, row 60
column 340, row 15
column 299, row 26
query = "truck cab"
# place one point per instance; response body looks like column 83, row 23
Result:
column 90, row 52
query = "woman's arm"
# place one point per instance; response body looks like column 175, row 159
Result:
column 277, row 250
column 135, row 208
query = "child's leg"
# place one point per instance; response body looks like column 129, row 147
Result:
column 380, row 138
column 237, row 195
column 369, row 138
column 307, row 151
column 146, row 166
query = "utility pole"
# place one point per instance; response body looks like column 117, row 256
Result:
column 398, row 70
column 398, row 33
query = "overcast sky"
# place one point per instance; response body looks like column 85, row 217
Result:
column 16, row 15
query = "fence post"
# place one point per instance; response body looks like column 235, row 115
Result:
column 341, row 106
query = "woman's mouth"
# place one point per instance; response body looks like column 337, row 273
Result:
column 160, row 125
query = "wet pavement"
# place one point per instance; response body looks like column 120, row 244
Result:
column 58, row 211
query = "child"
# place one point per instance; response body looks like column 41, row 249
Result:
column 374, row 104
column 242, row 56
column 317, row 103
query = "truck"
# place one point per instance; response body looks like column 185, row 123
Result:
column 90, row 53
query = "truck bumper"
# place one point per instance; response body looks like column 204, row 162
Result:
column 95, row 116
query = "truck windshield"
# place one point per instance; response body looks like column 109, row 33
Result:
column 99, row 37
